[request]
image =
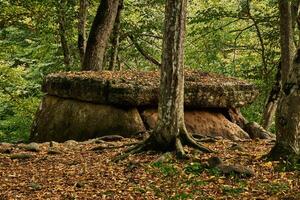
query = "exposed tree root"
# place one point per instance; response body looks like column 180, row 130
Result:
column 193, row 143
column 133, row 150
column 101, row 147
column 179, row 149
column 150, row 143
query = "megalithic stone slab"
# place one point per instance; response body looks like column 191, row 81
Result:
column 60, row 119
column 140, row 88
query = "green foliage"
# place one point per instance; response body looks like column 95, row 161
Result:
column 18, row 100
column 234, row 191
column 194, row 168
column 166, row 169
column 221, row 37
column 182, row 195
column 275, row 188
column 291, row 163
column 214, row 171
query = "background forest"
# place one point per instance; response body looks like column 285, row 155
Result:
column 233, row 37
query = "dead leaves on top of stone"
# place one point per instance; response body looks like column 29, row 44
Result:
column 151, row 77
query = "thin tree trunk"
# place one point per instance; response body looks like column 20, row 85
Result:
column 143, row 52
column 82, row 15
column 115, row 38
column 62, row 34
column 101, row 29
column 272, row 102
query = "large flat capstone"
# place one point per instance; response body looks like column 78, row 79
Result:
column 138, row 88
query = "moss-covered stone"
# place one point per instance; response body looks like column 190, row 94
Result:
column 136, row 88
column 61, row 119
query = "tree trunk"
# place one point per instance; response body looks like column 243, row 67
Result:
column 274, row 96
column 82, row 15
column 288, row 112
column 287, row 145
column 101, row 29
column 62, row 34
column 170, row 109
column 170, row 132
column 115, row 38
column 271, row 105
column 286, row 38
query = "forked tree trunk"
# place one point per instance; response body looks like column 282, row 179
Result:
column 115, row 39
column 101, row 29
column 288, row 111
column 82, row 15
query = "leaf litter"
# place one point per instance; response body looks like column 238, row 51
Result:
column 77, row 171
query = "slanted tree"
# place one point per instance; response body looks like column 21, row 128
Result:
column 272, row 101
column 170, row 132
column 288, row 112
column 99, row 34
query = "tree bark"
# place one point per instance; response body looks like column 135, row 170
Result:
column 286, row 38
column 274, row 96
column 82, row 15
column 101, row 29
column 115, row 38
column 170, row 109
column 287, row 145
column 62, row 34
column 170, row 132
column 288, row 111
column 272, row 102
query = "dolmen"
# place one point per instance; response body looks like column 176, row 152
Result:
column 88, row 104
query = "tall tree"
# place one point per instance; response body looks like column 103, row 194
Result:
column 275, row 92
column 115, row 38
column 82, row 15
column 170, row 132
column 62, row 33
column 101, row 29
column 288, row 113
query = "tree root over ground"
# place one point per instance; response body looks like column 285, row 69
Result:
column 184, row 138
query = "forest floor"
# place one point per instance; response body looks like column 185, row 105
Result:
column 75, row 170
